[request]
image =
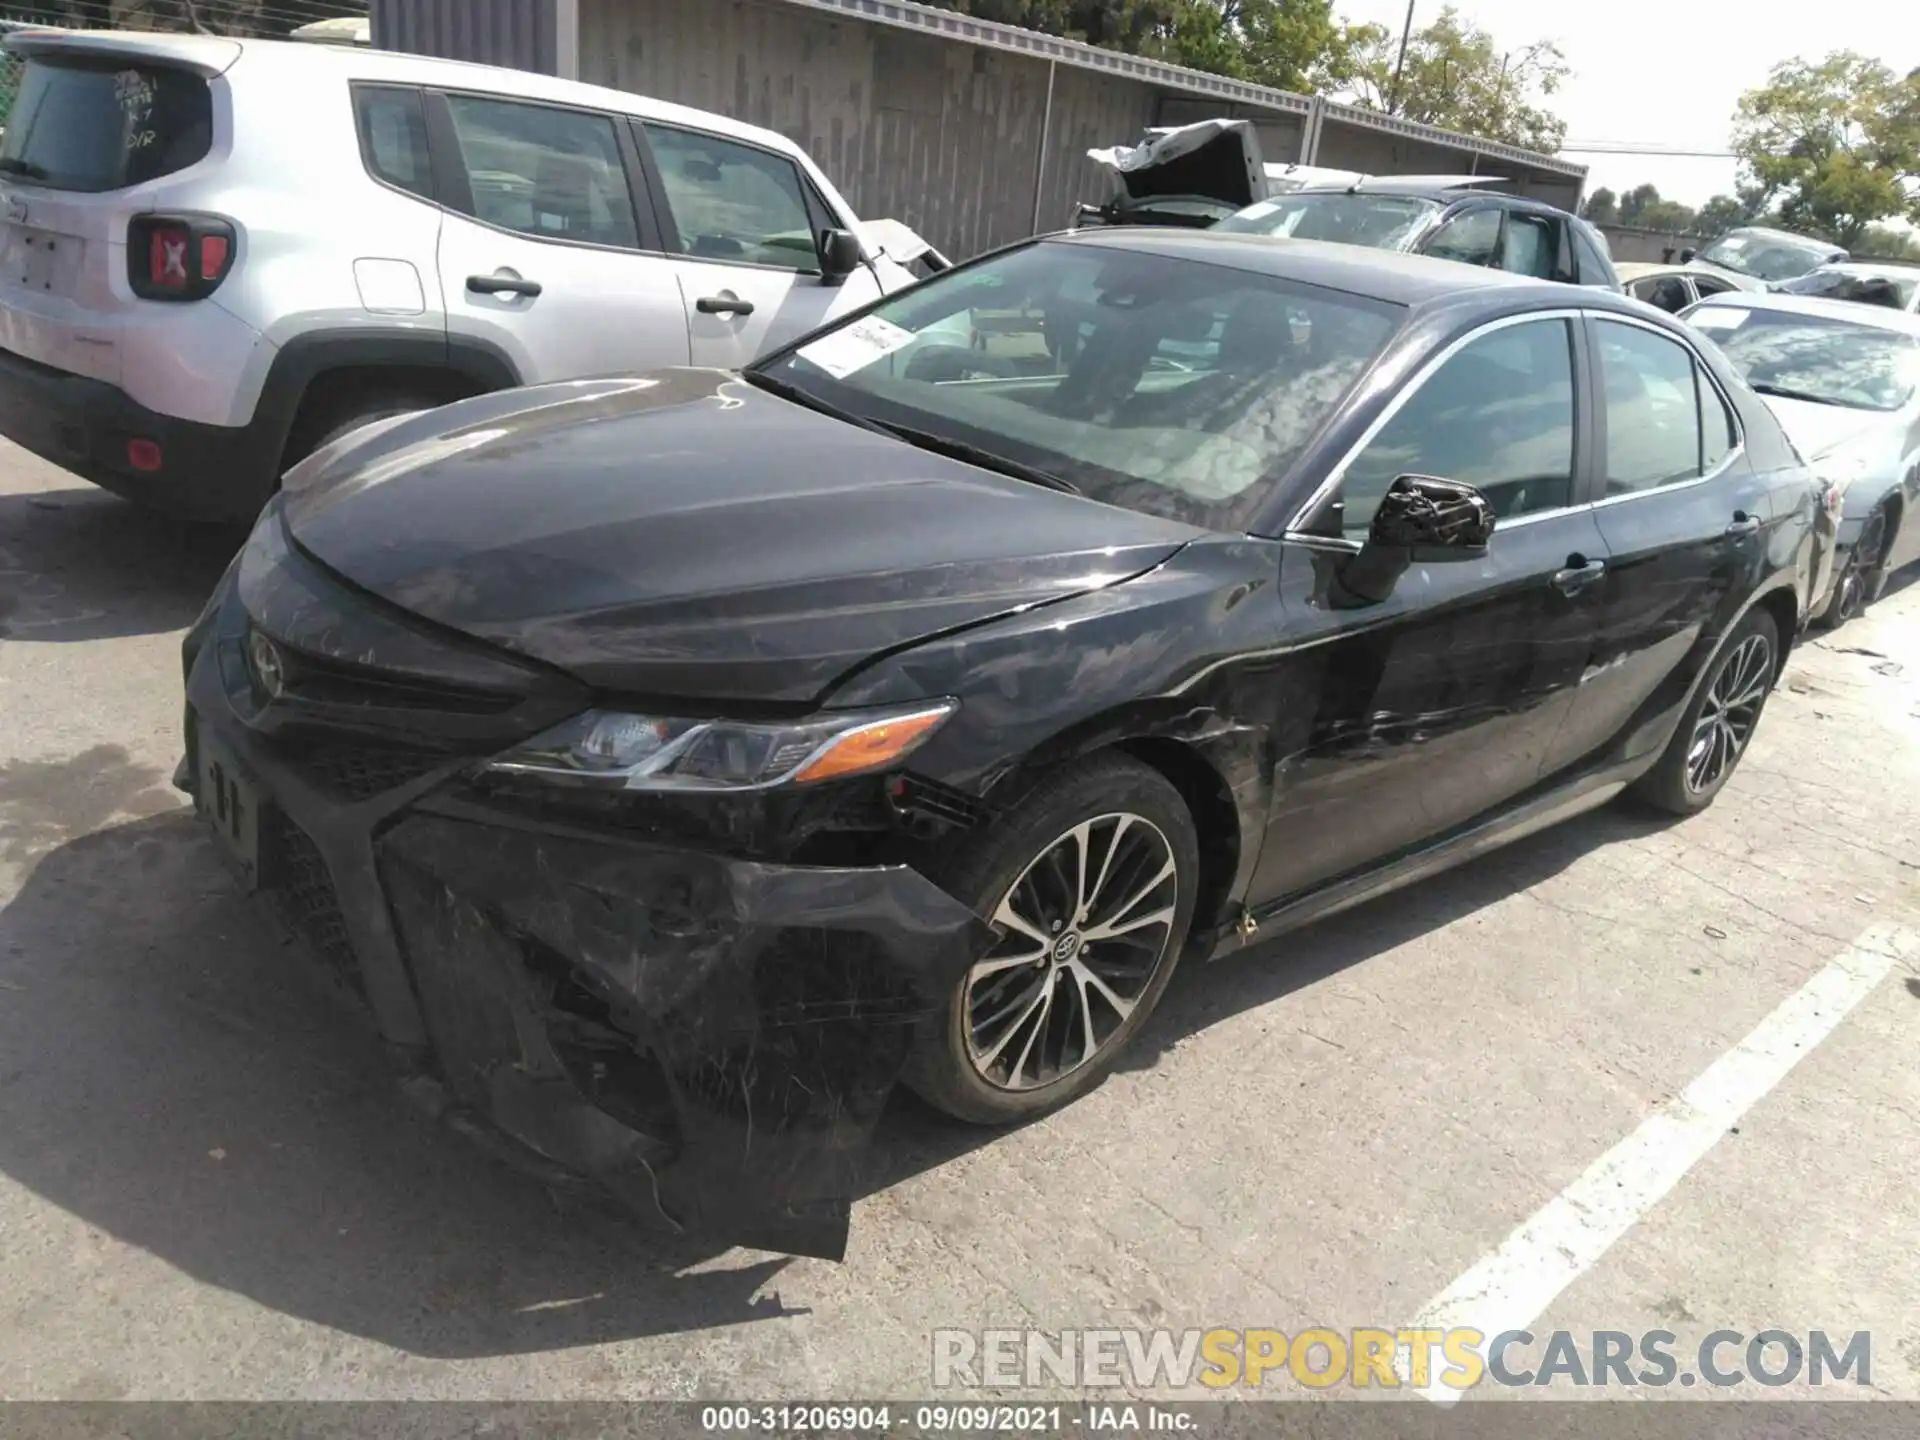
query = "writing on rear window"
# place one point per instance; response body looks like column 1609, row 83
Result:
column 92, row 127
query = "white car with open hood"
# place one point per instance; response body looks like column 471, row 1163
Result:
column 221, row 254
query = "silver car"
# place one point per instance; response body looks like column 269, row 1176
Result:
column 1844, row 381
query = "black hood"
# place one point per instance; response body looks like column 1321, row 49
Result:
column 683, row 534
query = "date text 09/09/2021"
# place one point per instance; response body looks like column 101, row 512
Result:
column 942, row 1419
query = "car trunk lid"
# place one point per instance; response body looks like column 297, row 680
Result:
column 1211, row 159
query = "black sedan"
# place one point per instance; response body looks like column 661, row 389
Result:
column 678, row 762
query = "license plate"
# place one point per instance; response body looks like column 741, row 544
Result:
column 29, row 260
column 230, row 805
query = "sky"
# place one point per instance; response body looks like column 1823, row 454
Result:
column 1659, row 73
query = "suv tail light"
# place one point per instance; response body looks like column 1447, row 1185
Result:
column 178, row 257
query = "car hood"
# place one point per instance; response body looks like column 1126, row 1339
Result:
column 1816, row 430
column 683, row 534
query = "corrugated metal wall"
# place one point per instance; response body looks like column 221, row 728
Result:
column 941, row 136
column 520, row 33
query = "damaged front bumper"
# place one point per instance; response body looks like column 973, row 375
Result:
column 712, row 1039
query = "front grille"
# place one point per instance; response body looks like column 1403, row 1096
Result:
column 359, row 772
column 302, row 891
column 321, row 680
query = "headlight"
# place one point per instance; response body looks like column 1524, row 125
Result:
column 612, row 750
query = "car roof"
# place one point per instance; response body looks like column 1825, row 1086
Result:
column 1810, row 242
column 1876, row 317
column 217, row 54
column 1414, row 190
column 1390, row 275
column 1641, row 269
column 1869, row 269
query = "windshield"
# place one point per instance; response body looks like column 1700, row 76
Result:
column 1175, row 387
column 1765, row 257
column 1383, row 222
column 1895, row 291
column 1812, row 357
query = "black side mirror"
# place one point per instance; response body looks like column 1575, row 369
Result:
column 1435, row 519
column 1424, row 520
column 1686, row 257
column 840, row 255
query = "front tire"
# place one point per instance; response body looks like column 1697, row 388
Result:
column 1718, row 725
column 1091, row 886
column 1859, row 581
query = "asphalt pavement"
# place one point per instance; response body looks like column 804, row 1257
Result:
column 1627, row 1075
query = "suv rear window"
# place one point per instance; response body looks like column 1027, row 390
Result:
column 103, row 127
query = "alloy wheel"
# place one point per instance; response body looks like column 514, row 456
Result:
column 1732, row 709
column 1861, row 566
column 1084, row 931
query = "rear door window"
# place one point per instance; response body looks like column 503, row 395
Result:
column 95, row 127
column 1654, row 397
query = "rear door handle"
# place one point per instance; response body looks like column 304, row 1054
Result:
column 723, row 305
column 502, row 285
column 1742, row 526
column 1579, row 574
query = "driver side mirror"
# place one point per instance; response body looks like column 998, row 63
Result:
column 1686, row 256
column 840, row 255
column 1422, row 519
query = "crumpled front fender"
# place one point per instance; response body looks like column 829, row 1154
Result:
column 711, row 1039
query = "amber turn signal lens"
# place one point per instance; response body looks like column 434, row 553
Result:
column 871, row 747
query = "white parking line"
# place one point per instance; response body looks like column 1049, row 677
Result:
column 1516, row 1283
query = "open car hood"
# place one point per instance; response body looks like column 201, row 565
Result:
column 1214, row 159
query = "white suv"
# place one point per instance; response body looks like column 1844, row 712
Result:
column 219, row 254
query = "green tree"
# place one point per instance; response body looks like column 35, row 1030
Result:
column 1883, row 242
column 1643, row 207
column 1719, row 215
column 1602, row 207
column 1835, row 144
column 1458, row 77
column 1289, row 44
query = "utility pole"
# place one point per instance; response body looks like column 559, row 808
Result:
column 1406, row 31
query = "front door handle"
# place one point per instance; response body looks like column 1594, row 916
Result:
column 502, row 285
column 723, row 304
column 1579, row 574
column 1743, row 525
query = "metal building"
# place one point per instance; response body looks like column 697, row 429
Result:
column 973, row 133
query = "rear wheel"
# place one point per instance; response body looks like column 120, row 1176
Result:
column 1091, row 887
column 1718, row 725
column 1859, row 580
column 350, row 417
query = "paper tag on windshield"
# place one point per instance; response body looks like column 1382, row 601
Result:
column 856, row 346
column 1719, row 317
column 1259, row 211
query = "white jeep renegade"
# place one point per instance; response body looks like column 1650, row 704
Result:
column 219, row 254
